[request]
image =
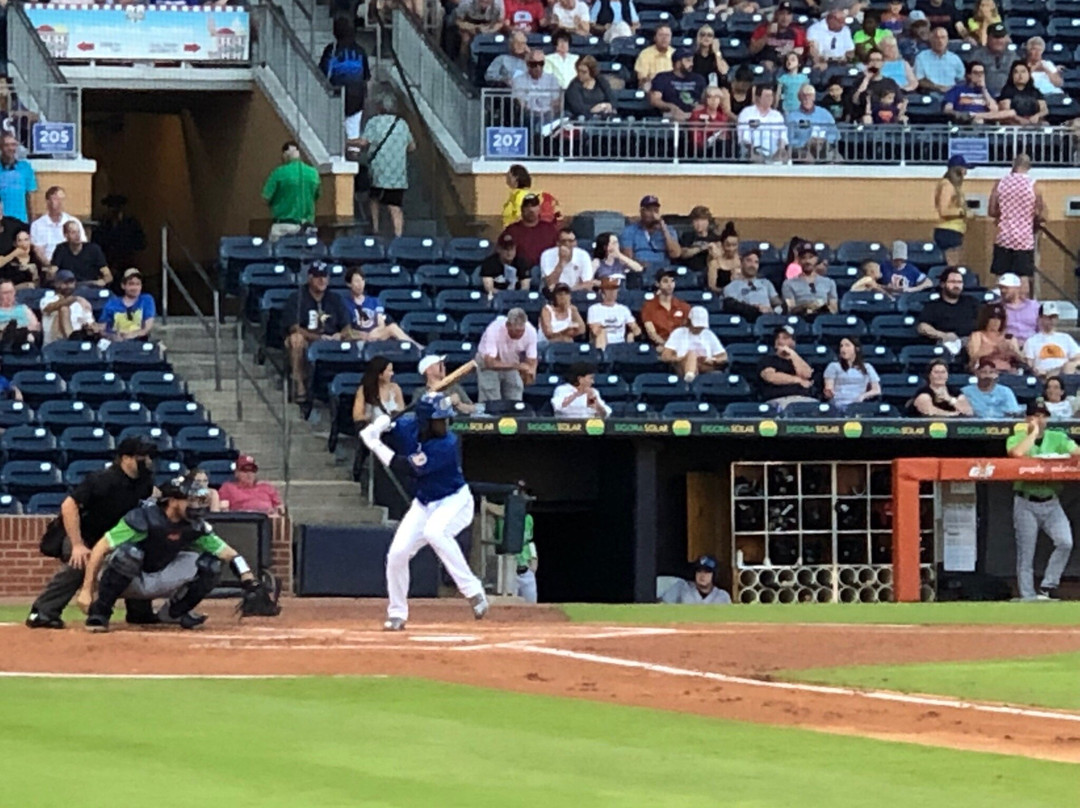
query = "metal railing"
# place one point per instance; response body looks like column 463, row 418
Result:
column 300, row 15
column 254, row 384
column 317, row 104
column 533, row 126
column 438, row 82
column 211, row 324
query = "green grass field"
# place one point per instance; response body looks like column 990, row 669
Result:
column 342, row 742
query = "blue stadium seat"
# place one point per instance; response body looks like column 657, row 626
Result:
column 328, row 358
column 559, row 356
column 24, row 478
column 912, row 303
column 696, row 410
column 925, row 108
column 399, row 302
column 14, row 413
column 1023, row 28
column 769, row 253
column 867, row 304
column 235, row 253
column 357, row 250
column 685, row 278
column 871, row 409
column 298, row 251
column 749, row 409
column 156, row 435
column 198, row 444
column 151, row 387
column 895, row 330
column 427, row 326
column 611, row 387
column 693, row 20
column 459, row 302
column 96, row 296
column 898, row 388
column 1061, row 108
column 9, row 506
column 743, row 24
column 37, row 386
column 380, row 277
column 809, row 409
column 817, row 356
column 531, row 301
column 629, row 358
column 473, row 325
column 115, row 416
column 855, row 252
column 712, row 302
column 633, row 409
column 916, row 358
column 25, row 357
column 516, row 408
column 651, row 20
column 971, row 279
column 45, row 503
column 30, row 297
column 539, row 393
column 408, row 382
column 634, row 104
column 731, row 328
column 1025, row 388
column 172, row 415
column 76, row 470
column 843, row 275
column 660, row 388
column 766, row 324
column 59, row 414
column 335, row 273
column 743, row 357
column 29, row 443
column 86, row 443
column 67, row 357
column 257, row 278
column 924, row 254
column 582, row 300
column 882, row 358
column 468, row 252
column 166, row 471
column 434, row 278
column 271, row 307
column 341, row 394
column 720, row 389
column 457, row 352
column 132, row 356
column 95, row 386
column 412, row 251
column 961, row 379
column 404, row 355
column 218, row 471
column 588, row 224
column 831, row 328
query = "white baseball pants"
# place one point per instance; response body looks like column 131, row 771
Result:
column 436, row 523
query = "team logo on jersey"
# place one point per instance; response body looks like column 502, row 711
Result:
column 173, row 536
column 418, row 459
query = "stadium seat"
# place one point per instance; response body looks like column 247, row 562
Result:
column 831, row 328
column 151, row 387
column 67, row 357
column 871, row 409
column 473, row 325
column 218, row 471
column 743, row 24
column 882, row 358
column 427, row 326
column 912, row 303
column 328, row 358
column 399, row 302
column 731, row 328
column 916, row 358
column 357, row 250
column 45, row 502
column 299, row 251
column 530, row 301
column 457, row 352
column 633, row 409
column 582, row 299
column 95, row 386
column 720, row 389
column 971, row 279
column 1025, row 388
column 200, row 443
column 894, row 330
column 409, row 383
column 898, row 388
column 96, row 296
column 235, row 253
column 766, row 324
column 86, row 443
column 434, row 278
column 634, row 104
column 271, row 306
column 588, row 224
column 14, row 413
column 173, row 415
column 341, row 394
column 29, row 443
column 924, row 254
column 115, row 416
column 24, row 478
column 59, row 414
column 744, row 357
column 712, row 302
column 166, row 471
column 125, row 358
column 25, row 357
column 867, row 304
column 379, row 277
column 517, row 408
column 468, row 252
column 855, row 252
column 404, row 355
column 412, row 251
column 633, row 357
column 817, row 356
column 659, row 388
column 560, row 356
column 809, row 409
column 459, row 302
column 37, row 386
column 539, row 392
column 1023, row 28
column 76, row 470
column 698, row 410
column 749, row 409
column 159, row 436
column 611, row 387
column 30, row 297
column 257, row 278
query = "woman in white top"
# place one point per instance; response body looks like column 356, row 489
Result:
column 851, row 379
column 1045, row 75
column 1060, row 407
column 562, row 64
column 377, row 394
column 560, row 320
column 577, row 398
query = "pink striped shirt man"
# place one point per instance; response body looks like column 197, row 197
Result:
column 1016, row 205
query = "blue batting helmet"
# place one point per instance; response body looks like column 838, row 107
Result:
column 434, row 406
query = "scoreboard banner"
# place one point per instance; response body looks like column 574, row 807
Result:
column 83, row 33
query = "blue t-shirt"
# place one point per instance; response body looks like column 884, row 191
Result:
column 434, row 464
column 649, row 248
column 364, row 316
column 16, row 181
column 119, row 318
column 682, row 91
column 998, row 403
column 966, row 97
column 909, row 275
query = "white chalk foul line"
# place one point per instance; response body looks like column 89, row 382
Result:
column 881, row 695
column 170, row 676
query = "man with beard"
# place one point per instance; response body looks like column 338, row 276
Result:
column 950, row 319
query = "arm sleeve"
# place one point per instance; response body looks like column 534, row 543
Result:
column 439, row 456
column 873, row 374
column 131, row 528
column 211, row 543
column 672, row 593
column 149, row 308
column 270, row 187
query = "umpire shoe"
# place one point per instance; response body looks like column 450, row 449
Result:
column 394, row 624
column 97, row 624
column 38, row 620
column 479, row 605
column 1049, row 593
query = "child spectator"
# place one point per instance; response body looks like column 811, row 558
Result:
column 789, row 82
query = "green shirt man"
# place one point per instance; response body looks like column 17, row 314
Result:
column 1053, row 442
column 292, row 189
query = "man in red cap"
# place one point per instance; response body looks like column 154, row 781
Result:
column 245, row 493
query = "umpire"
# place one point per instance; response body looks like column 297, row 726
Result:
column 96, row 505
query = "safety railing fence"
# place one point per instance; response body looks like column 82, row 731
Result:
column 533, row 126
column 300, row 16
column 252, row 383
column 211, row 323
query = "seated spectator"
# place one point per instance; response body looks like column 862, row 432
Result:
column 1049, row 352
column 940, row 13
column 763, row 134
column 526, row 16
column 608, row 261
column 996, row 58
column 989, row 341
column 654, row 59
column 561, row 64
column 569, row 17
column 837, row 101
column 508, row 66
column 785, row 376
column 936, row 399
column 367, row 318
column 788, row 83
column 871, row 279
column 1021, row 103
column 917, row 38
column 245, row 493
column 664, row 313
column 692, row 348
column 536, row 92
column 1060, row 406
column 812, row 129
column 47, row 231
column 829, row 40
column 18, row 324
column 473, row 17
column 851, row 378
column 773, row 40
column 612, row 19
column 709, row 61
column 868, row 37
column 976, row 29
column 649, row 240
column 938, row 68
column 610, row 322
column 131, row 315
column 66, row 315
column 874, row 83
column 894, row 17
column 560, row 320
column 200, row 479
column 577, row 398
column 989, row 399
column 20, row 265
column 676, row 92
column 310, row 315
column 899, row 275
column 749, row 295
column 970, row 101
column 567, row 263
column 809, row 293
column 531, row 234
column 741, row 94
column 712, row 119
column 10, row 227
column 433, row 369
column 504, row 269
column 703, row 589
column 1021, row 312
column 589, row 95
column 701, row 247
column 507, row 358
column 1045, row 75
column 894, row 67
column 83, row 258
column 950, row 319
column 378, row 393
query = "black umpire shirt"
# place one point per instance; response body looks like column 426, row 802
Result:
column 104, row 497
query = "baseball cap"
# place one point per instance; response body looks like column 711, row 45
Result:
column 998, row 30
column 699, row 317
column 1009, row 280
column 917, row 16
column 668, row 272
column 428, row 361
column 561, row 287
column 649, row 201
column 705, row 562
column 683, row 53
column 784, row 6
column 132, row 272
column 805, row 248
column 610, row 282
column 506, row 240
column 700, row 212
column 958, row 160
column 318, row 269
column 64, row 276
column 130, row 447
column 899, row 250
column 246, row 463
column 784, row 329
column 1037, row 406
column 986, row 362
column 530, row 200
column 1049, row 309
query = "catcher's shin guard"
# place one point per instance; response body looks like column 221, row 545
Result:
column 124, row 564
column 208, row 573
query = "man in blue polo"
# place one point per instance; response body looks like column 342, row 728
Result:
column 17, row 181
column 649, row 240
column 938, row 69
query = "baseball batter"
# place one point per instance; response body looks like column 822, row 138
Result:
column 1036, row 506
column 441, row 508
column 161, row 550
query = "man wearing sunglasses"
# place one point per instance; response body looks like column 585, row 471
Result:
column 538, row 93
column 809, row 293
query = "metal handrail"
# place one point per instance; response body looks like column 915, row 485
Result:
column 282, row 420
column 1043, row 277
column 212, row 325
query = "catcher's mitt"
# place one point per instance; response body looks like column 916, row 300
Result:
column 260, row 597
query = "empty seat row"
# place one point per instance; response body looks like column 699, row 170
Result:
column 150, row 387
column 69, row 356
column 56, row 414
column 192, row 444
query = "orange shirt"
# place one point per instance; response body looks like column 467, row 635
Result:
column 665, row 320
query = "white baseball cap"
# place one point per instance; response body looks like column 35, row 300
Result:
column 900, row 250
column 699, row 317
column 1009, row 280
column 429, row 361
column 1049, row 309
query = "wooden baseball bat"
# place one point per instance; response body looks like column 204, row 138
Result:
column 450, row 379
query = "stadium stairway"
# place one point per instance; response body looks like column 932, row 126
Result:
column 321, row 490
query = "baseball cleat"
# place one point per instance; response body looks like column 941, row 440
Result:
column 479, row 605
column 394, row 624
column 36, row 620
column 97, row 624
column 1049, row 593
column 188, row 620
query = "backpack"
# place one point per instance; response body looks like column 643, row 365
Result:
column 346, row 66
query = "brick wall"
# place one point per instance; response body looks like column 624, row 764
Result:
column 24, row 571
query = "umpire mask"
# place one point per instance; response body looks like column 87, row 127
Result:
column 198, row 505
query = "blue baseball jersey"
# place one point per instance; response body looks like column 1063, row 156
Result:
column 434, row 464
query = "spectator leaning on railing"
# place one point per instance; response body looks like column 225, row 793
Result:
column 812, row 129
column 507, row 357
column 711, row 121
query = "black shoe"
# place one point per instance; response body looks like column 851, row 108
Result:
column 1050, row 592
column 97, row 624
column 305, row 408
column 192, row 620
column 36, row 620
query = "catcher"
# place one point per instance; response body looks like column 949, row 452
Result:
column 164, row 550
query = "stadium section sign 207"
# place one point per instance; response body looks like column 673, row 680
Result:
column 143, row 33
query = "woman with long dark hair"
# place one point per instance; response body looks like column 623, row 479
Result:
column 378, row 393
column 952, row 211
column 850, row 379
column 609, row 260
column 989, row 341
column 936, row 399
column 1020, row 97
